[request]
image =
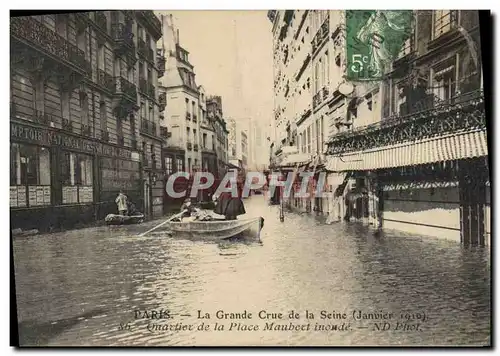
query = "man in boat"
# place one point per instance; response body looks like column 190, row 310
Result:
column 188, row 208
column 121, row 202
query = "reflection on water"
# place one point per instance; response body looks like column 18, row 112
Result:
column 77, row 288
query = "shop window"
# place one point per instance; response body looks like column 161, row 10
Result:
column 77, row 178
column 29, row 175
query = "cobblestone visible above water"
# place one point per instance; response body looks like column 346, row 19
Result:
column 94, row 286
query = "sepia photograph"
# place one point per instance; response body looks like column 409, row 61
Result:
column 241, row 178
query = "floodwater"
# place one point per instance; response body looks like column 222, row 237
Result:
column 92, row 287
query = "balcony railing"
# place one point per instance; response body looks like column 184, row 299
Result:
column 122, row 35
column 188, row 116
column 29, row 29
column 322, row 34
column 162, row 100
column 123, row 86
column 106, row 80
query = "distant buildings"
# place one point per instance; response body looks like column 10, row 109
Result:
column 197, row 134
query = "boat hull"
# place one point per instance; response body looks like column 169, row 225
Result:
column 113, row 219
column 218, row 229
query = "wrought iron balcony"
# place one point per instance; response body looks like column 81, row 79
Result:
column 105, row 135
column 188, row 116
column 101, row 21
column 123, row 37
column 127, row 89
column 106, row 81
column 151, row 21
column 462, row 113
column 28, row 30
column 162, row 100
column 146, row 88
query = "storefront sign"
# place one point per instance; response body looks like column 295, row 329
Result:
column 55, row 138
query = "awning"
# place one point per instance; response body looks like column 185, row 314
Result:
column 437, row 149
column 335, row 179
column 294, row 159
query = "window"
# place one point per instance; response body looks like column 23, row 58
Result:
column 318, row 133
column 444, row 83
column 29, row 175
column 316, row 78
column 169, row 165
column 322, row 135
column 103, row 116
column 444, row 21
column 65, row 97
column 84, row 109
column 308, row 140
column 193, row 111
column 76, row 178
column 187, row 105
column 213, row 144
column 327, row 69
column 23, row 96
column 189, row 165
column 101, row 57
column 195, row 138
column 188, row 134
column 204, row 140
column 180, row 165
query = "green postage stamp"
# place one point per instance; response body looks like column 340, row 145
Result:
column 373, row 40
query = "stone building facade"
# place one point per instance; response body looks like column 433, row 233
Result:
column 76, row 136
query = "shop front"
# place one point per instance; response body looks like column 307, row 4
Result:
column 60, row 180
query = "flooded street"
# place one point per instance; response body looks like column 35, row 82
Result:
column 84, row 287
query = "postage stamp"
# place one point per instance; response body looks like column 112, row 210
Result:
column 373, row 40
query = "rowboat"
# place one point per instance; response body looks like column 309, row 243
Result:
column 217, row 229
column 114, row 219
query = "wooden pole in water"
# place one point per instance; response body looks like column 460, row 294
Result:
column 163, row 223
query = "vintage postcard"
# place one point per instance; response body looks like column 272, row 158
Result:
column 250, row 178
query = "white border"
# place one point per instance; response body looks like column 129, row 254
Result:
column 186, row 4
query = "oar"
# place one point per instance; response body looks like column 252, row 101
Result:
column 163, row 223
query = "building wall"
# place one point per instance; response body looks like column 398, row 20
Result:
column 424, row 211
